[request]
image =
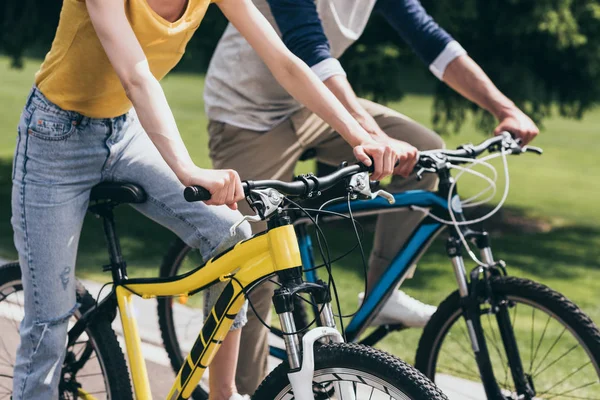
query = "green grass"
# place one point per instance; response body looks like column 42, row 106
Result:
column 561, row 188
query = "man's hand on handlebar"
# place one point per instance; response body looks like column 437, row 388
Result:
column 408, row 155
column 520, row 125
column 224, row 185
column 385, row 156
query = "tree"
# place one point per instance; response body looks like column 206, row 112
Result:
column 539, row 52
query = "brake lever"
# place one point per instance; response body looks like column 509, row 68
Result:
column 422, row 171
column 386, row 195
column 249, row 218
column 532, row 149
column 270, row 199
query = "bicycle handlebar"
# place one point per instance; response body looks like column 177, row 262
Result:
column 303, row 186
column 307, row 184
column 468, row 151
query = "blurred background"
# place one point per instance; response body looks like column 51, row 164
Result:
column 544, row 54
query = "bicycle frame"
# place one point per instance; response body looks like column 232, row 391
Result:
column 250, row 262
column 410, row 253
column 415, row 246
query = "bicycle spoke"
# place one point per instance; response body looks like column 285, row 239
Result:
column 461, row 362
column 476, row 376
column 89, row 375
column 539, row 344
column 371, row 396
column 567, row 377
column 549, row 350
column 81, row 350
column 558, row 359
column 555, row 395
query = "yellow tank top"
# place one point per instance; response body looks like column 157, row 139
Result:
column 76, row 74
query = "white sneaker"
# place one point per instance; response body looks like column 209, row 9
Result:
column 238, row 396
column 402, row 309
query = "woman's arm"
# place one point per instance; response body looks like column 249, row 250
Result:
column 143, row 89
column 297, row 78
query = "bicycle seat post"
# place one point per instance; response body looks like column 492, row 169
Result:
column 117, row 265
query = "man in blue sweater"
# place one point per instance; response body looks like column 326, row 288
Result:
column 268, row 130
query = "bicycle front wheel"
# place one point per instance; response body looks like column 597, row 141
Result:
column 558, row 344
column 372, row 374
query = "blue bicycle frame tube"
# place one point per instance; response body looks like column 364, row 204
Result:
column 416, row 244
column 420, row 198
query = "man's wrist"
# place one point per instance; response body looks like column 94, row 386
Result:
column 505, row 110
column 365, row 120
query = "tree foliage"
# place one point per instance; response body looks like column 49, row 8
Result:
column 539, row 52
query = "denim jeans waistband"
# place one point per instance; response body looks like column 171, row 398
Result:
column 37, row 99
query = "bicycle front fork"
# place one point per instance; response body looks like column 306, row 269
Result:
column 301, row 357
column 470, row 295
column 284, row 307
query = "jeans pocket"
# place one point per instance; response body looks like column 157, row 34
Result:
column 48, row 125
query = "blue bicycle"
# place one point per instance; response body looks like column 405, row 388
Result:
column 496, row 337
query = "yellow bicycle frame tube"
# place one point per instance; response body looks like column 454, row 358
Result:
column 247, row 263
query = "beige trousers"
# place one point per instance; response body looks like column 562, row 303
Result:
column 273, row 155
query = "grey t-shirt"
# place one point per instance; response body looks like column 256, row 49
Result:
column 241, row 91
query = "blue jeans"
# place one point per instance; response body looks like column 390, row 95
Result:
column 60, row 156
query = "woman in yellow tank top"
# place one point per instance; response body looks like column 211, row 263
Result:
column 79, row 128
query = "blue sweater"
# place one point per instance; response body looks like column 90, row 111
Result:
column 303, row 33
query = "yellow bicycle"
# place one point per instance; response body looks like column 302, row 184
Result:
column 338, row 370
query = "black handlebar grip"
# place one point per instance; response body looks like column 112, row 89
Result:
column 196, row 193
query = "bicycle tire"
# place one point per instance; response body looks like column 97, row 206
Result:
column 346, row 360
column 107, row 348
column 531, row 293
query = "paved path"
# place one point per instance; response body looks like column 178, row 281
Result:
column 162, row 375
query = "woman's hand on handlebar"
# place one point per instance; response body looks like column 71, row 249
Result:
column 224, row 185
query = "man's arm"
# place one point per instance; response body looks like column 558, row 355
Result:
column 302, row 32
column 448, row 61
column 303, row 85
column 467, row 78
